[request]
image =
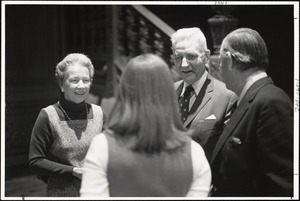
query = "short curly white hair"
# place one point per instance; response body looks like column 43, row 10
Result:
column 72, row 59
column 191, row 34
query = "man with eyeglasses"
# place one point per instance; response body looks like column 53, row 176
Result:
column 254, row 154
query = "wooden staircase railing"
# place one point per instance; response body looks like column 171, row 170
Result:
column 111, row 35
column 140, row 31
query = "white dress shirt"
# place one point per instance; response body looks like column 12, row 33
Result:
column 251, row 80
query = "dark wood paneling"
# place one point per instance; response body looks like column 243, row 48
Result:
column 25, row 186
column 37, row 38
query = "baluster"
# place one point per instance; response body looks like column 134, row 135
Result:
column 158, row 43
column 167, row 51
column 132, row 31
column 144, row 31
column 122, row 39
column 137, row 34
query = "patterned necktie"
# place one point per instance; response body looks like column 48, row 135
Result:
column 184, row 102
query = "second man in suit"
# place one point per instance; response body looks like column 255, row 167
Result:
column 204, row 101
column 254, row 155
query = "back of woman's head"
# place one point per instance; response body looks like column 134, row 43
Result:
column 146, row 103
column 147, row 81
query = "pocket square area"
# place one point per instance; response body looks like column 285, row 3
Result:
column 211, row 117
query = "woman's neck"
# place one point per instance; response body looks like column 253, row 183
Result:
column 69, row 105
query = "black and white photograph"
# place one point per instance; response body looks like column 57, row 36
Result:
column 155, row 100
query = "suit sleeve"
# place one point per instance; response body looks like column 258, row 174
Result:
column 275, row 145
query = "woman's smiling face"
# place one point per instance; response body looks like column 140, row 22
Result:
column 76, row 83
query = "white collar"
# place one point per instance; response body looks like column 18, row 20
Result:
column 251, row 80
column 196, row 85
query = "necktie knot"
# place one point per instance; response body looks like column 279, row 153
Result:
column 189, row 89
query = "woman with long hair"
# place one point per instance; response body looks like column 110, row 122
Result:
column 145, row 151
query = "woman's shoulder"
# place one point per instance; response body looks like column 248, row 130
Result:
column 96, row 110
column 45, row 115
column 55, row 105
column 95, row 107
column 105, row 134
column 98, row 145
column 196, row 147
column 48, row 110
column 109, row 134
column 100, row 138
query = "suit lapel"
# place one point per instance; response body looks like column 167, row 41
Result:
column 233, row 122
column 239, row 113
column 179, row 88
column 203, row 97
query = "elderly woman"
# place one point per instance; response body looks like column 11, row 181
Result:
column 63, row 131
column 146, row 151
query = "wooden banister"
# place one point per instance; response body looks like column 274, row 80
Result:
column 165, row 28
column 140, row 31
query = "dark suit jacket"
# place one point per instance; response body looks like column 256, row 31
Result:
column 213, row 99
column 254, row 155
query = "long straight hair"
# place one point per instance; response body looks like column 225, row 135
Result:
column 146, row 107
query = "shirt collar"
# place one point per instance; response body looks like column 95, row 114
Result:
column 251, row 80
column 196, row 85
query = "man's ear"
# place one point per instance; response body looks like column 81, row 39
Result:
column 228, row 59
column 207, row 56
column 61, row 88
